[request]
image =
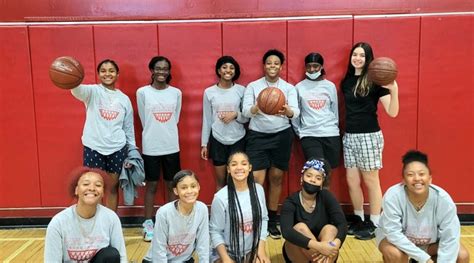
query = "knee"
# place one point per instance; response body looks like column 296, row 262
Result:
column 302, row 228
column 328, row 230
column 151, row 186
column 107, row 254
column 393, row 254
column 463, row 255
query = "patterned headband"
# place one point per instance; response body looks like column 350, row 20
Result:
column 316, row 165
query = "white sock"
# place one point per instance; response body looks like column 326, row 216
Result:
column 375, row 219
column 359, row 213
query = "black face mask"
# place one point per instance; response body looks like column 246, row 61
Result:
column 311, row 188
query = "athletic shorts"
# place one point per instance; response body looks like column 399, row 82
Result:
column 169, row 163
column 363, row 150
column 219, row 153
column 269, row 149
column 328, row 148
column 112, row 163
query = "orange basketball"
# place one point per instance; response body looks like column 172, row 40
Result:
column 271, row 100
column 66, row 72
column 382, row 71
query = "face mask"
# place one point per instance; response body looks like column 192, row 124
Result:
column 311, row 188
column 313, row 76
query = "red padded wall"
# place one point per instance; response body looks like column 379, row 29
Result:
column 59, row 116
column 331, row 38
column 446, row 99
column 132, row 47
column 397, row 38
column 193, row 50
column 19, row 178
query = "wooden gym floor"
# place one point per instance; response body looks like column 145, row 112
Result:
column 26, row 245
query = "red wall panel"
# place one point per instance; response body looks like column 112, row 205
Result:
column 397, row 38
column 331, row 38
column 446, row 99
column 59, row 116
column 132, row 47
column 193, row 50
column 19, row 178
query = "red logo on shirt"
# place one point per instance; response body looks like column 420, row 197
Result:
column 162, row 116
column 177, row 249
column 317, row 104
column 247, row 227
column 81, row 254
column 108, row 114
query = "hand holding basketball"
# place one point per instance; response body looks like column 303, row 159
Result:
column 271, row 100
column 66, row 72
column 382, row 71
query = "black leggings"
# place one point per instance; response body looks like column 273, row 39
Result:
column 106, row 255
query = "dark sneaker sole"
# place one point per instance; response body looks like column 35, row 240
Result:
column 274, row 236
column 365, row 237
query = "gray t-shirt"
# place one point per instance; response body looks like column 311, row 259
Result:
column 109, row 118
column 176, row 236
column 70, row 238
column 412, row 231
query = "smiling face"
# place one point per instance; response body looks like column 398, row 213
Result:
column 187, row 190
column 239, row 167
column 272, row 67
column 358, row 58
column 160, row 72
column 108, row 75
column 227, row 71
column 417, row 178
column 90, row 189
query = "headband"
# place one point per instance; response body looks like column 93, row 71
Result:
column 316, row 165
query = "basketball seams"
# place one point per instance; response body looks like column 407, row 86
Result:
column 66, row 73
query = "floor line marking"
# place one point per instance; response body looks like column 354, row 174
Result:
column 18, row 251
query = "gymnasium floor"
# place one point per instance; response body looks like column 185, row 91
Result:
column 26, row 245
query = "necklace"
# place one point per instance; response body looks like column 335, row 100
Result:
column 187, row 218
column 86, row 234
column 306, row 205
column 418, row 206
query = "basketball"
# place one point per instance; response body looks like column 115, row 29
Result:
column 66, row 72
column 382, row 71
column 271, row 100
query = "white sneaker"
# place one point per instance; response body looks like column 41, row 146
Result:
column 148, row 230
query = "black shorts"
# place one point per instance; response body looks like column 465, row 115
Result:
column 112, row 163
column 269, row 149
column 169, row 163
column 328, row 148
column 219, row 153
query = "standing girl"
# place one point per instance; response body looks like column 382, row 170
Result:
column 363, row 141
column 318, row 123
column 182, row 226
column 222, row 120
column 86, row 231
column 238, row 224
column 159, row 107
column 108, row 127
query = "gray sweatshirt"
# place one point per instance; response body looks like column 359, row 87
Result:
column 319, row 116
column 219, row 223
column 262, row 122
column 412, row 231
column 70, row 238
column 176, row 237
column 159, row 112
column 109, row 118
column 215, row 102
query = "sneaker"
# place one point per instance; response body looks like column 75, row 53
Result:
column 148, row 230
column 273, row 231
column 355, row 225
column 366, row 231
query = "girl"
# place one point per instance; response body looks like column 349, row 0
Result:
column 363, row 141
column 159, row 107
column 109, row 126
column 86, row 231
column 419, row 219
column 238, row 224
column 182, row 226
column 318, row 123
column 222, row 121
column 312, row 221
column 269, row 139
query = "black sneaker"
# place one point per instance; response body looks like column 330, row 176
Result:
column 366, row 231
column 273, row 231
column 354, row 226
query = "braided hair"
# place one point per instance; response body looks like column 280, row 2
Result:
column 236, row 216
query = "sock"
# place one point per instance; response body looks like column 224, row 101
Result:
column 272, row 216
column 375, row 219
column 359, row 213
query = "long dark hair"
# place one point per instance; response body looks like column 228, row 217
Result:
column 236, row 216
column 363, row 86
